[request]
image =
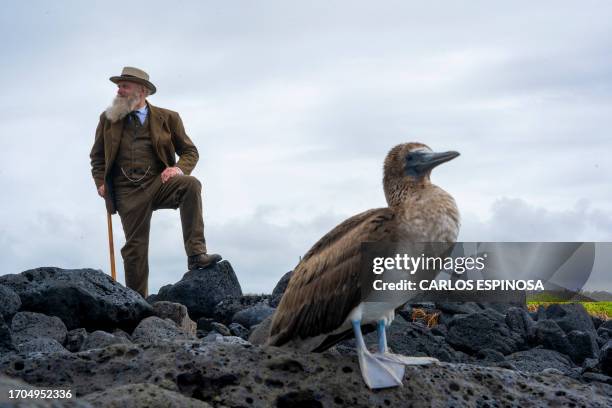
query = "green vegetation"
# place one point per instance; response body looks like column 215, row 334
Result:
column 550, row 296
column 600, row 309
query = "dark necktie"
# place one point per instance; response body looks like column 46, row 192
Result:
column 134, row 118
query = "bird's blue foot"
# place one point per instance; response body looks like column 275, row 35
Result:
column 376, row 373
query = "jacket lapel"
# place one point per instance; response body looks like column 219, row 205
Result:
column 115, row 131
column 156, row 121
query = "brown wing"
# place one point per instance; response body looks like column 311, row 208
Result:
column 325, row 285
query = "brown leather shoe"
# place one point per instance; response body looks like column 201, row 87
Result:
column 202, row 261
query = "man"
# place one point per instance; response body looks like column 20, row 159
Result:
column 133, row 163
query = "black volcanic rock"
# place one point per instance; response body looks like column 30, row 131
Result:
column 605, row 358
column 597, row 321
column 233, row 375
column 154, row 329
column 75, row 339
column 519, row 299
column 606, row 325
column 101, row 339
column 253, row 315
column 201, row 289
column 570, row 316
column 177, row 313
column 29, row 325
column 458, row 307
column 486, row 329
column 236, row 329
column 538, row 359
column 142, row 395
column 220, row 328
column 591, row 376
column 520, row 321
column 280, row 288
column 226, row 309
column 80, row 297
column 550, row 336
column 9, row 302
column 163, row 364
column 584, row 345
column 413, row 339
column 260, row 333
column 205, row 324
column 6, row 339
column 604, row 331
column 41, row 345
column 490, row 355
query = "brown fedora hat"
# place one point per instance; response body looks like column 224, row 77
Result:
column 134, row 75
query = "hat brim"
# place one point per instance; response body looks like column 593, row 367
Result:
column 130, row 78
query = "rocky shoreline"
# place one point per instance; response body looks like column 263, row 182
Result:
column 198, row 343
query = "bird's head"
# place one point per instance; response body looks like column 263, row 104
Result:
column 409, row 166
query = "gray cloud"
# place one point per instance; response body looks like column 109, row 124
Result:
column 513, row 219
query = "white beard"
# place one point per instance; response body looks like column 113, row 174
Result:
column 121, row 106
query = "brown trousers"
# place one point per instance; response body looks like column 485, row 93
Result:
column 136, row 204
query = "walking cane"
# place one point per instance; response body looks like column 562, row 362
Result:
column 111, row 246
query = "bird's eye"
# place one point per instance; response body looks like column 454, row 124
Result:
column 410, row 157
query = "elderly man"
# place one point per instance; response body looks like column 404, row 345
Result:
column 133, row 163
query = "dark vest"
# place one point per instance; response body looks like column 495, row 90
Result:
column 136, row 159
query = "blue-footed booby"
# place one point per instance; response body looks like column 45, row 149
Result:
column 324, row 301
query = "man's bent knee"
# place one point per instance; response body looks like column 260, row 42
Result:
column 191, row 183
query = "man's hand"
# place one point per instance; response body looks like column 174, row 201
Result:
column 170, row 172
column 102, row 191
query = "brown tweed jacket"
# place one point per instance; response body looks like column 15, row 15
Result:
column 169, row 139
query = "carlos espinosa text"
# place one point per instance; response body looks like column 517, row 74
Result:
column 458, row 265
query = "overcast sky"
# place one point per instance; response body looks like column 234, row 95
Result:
column 293, row 106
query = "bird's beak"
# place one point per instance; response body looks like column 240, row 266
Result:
column 432, row 160
column 422, row 162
